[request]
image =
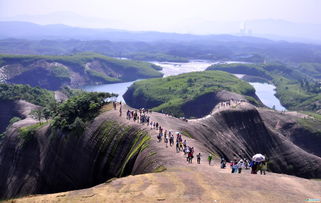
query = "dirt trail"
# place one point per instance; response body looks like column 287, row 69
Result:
column 184, row 182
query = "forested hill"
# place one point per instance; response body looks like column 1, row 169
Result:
column 190, row 95
column 54, row 72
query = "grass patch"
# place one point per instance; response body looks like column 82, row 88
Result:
column 159, row 169
column 140, row 143
column 312, row 125
column 107, row 107
column 27, row 133
column 186, row 133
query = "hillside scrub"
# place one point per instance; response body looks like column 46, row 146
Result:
column 33, row 95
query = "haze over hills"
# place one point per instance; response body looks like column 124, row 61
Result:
column 27, row 30
column 68, row 25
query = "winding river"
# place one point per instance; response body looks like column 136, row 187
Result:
column 266, row 92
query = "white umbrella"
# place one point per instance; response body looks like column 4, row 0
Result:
column 258, row 157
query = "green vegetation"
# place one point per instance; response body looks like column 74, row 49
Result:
column 159, row 169
column 311, row 69
column 218, row 48
column 58, row 71
column 313, row 124
column 242, row 68
column 186, row 133
column 170, row 93
column 69, row 92
column 13, row 120
column 27, row 133
column 33, row 95
column 140, row 143
column 295, row 89
column 73, row 113
column 100, row 76
column 123, row 144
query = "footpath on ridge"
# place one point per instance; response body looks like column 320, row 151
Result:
column 184, row 182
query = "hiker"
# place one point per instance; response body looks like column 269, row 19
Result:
column 114, row 105
column 165, row 135
column 160, row 135
column 135, row 116
column 246, row 164
column 166, row 140
column 253, row 166
column 177, row 146
column 128, row 115
column 120, row 110
column 189, row 157
column 223, row 163
column 209, row 158
column 240, row 165
column 171, row 139
column 234, row 166
column 184, row 143
column 199, row 158
column 263, row 167
column 186, row 151
column 157, row 126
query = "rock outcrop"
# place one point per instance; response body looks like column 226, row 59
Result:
column 52, row 161
column 241, row 132
column 10, row 109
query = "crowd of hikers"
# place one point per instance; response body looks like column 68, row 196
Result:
column 238, row 165
column 169, row 138
column 231, row 102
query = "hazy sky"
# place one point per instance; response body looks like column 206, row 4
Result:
column 165, row 14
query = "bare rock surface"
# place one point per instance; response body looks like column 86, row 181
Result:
column 237, row 130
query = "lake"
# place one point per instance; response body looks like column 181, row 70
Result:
column 266, row 92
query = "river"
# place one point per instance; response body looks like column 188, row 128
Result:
column 169, row 68
column 266, row 92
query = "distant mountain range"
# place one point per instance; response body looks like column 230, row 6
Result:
column 26, row 30
column 270, row 29
column 68, row 25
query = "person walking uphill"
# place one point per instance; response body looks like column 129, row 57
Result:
column 120, row 110
column 199, row 158
column 210, row 157
column 263, row 167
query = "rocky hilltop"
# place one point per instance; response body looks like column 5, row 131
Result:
column 54, row 72
column 82, row 160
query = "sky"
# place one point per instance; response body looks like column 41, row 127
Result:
column 163, row 15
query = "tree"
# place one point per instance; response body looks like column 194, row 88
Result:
column 37, row 113
column 46, row 113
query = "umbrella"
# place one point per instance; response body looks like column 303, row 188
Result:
column 258, row 157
